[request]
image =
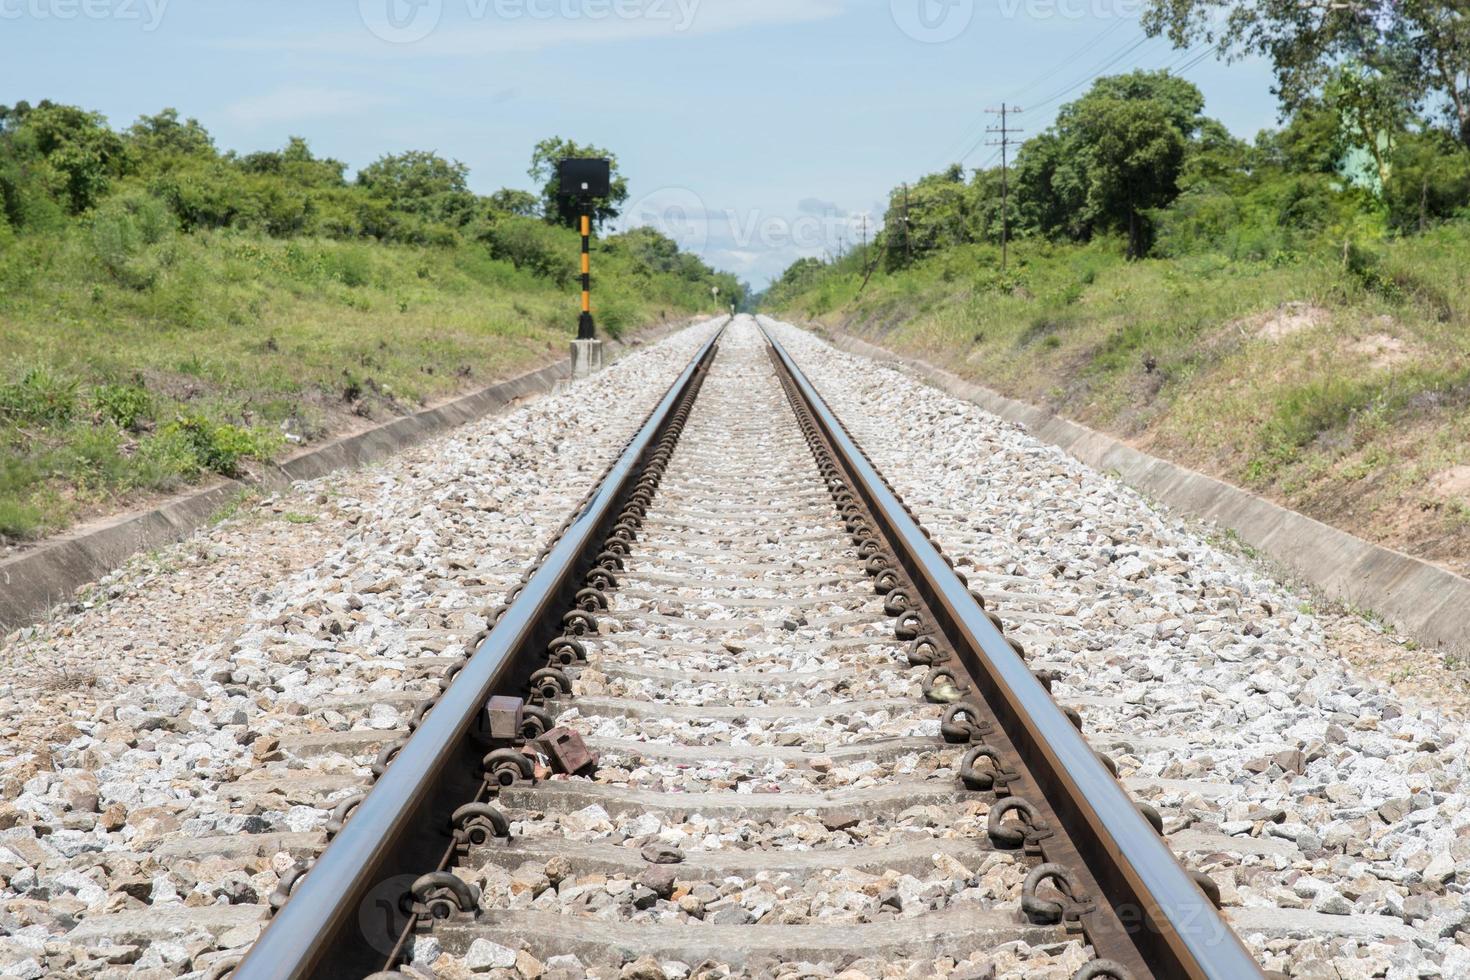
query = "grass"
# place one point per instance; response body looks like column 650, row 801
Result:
column 139, row 359
column 1340, row 386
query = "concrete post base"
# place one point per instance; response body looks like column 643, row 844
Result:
column 586, row 358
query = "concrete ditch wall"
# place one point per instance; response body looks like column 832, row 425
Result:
column 1422, row 601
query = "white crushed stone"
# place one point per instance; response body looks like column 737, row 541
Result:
column 123, row 730
column 1154, row 632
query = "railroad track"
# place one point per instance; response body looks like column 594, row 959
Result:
column 741, row 715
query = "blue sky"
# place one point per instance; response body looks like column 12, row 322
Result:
column 755, row 131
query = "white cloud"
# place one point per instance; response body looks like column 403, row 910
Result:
column 295, row 103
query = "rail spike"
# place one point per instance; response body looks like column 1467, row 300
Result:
column 1007, row 835
column 1046, row 911
column 476, row 823
column 1103, row 970
column 549, row 684
column 505, row 767
column 441, row 894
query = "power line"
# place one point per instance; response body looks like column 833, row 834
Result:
column 1214, row 48
column 1094, row 74
column 1071, row 59
column 1181, row 63
column 1184, row 55
column 976, row 130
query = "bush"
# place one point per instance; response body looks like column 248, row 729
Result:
column 1281, row 217
column 530, row 244
column 123, row 231
column 1431, row 181
column 616, row 315
column 348, row 266
column 217, row 447
column 18, row 519
column 125, row 406
column 39, row 398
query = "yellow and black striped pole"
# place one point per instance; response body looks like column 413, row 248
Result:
column 586, row 329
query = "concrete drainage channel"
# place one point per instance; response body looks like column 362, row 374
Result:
column 743, row 713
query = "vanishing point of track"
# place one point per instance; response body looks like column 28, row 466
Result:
column 744, row 696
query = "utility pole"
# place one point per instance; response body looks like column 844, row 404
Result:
column 1004, row 143
column 871, row 261
column 908, row 249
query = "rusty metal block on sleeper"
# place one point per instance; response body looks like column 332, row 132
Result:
column 568, row 753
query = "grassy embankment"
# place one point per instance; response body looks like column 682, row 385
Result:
column 169, row 311
column 241, row 345
column 1336, row 384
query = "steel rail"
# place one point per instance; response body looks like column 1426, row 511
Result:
column 1175, row 929
column 402, row 825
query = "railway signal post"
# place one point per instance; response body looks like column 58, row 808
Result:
column 584, row 180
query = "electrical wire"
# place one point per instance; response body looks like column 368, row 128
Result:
column 1213, row 49
column 1093, row 75
column 975, row 131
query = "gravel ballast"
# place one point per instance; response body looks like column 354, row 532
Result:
column 173, row 742
column 1204, row 678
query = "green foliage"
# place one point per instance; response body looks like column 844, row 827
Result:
column 255, row 291
column 125, row 233
column 17, row 519
column 40, row 397
column 162, row 136
column 74, row 154
column 1278, row 217
column 1320, row 408
column 1121, row 150
column 931, row 215
column 530, row 245
column 349, row 266
column 1414, row 53
column 125, row 406
column 511, row 200
column 1430, row 184
column 216, row 447
column 1113, row 157
column 423, row 184
column 798, row 277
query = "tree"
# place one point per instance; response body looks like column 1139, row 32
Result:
column 1116, row 153
column 509, row 200
column 163, row 135
column 1178, row 99
column 1216, row 158
column 560, row 210
column 1420, row 48
column 424, row 184
column 1372, row 113
column 73, row 153
column 932, row 214
column 1047, row 198
column 414, row 175
column 298, row 164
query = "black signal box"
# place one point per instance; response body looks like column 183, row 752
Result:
column 588, row 177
